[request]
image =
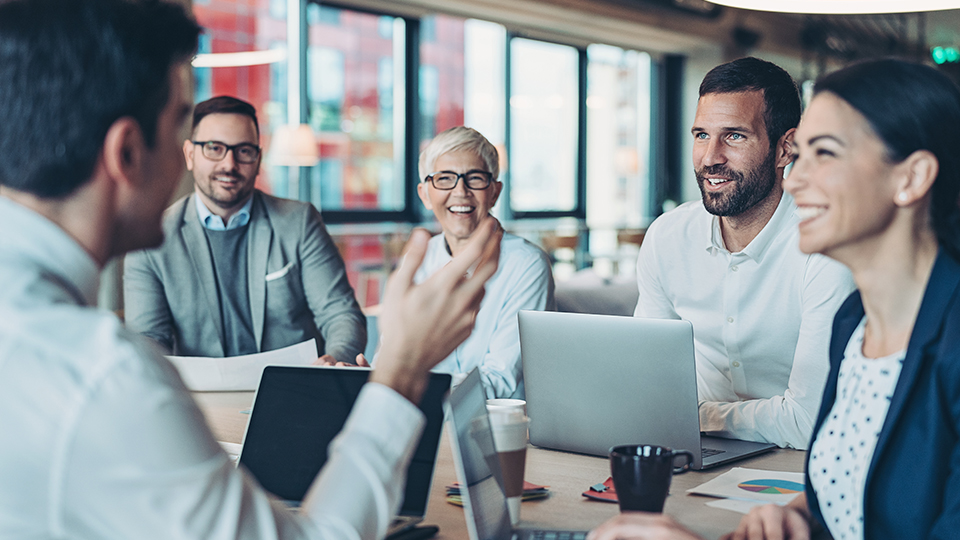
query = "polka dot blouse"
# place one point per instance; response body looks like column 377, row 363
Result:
column 842, row 452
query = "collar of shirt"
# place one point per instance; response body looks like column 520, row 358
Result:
column 213, row 222
column 765, row 238
column 32, row 237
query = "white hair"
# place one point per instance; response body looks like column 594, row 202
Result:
column 456, row 139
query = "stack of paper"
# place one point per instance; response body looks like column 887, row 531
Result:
column 742, row 489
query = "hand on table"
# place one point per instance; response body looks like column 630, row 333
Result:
column 327, row 360
column 641, row 526
column 772, row 522
column 422, row 324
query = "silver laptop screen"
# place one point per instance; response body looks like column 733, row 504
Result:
column 478, row 465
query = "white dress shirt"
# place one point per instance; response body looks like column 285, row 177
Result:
column 523, row 281
column 761, row 319
column 101, row 440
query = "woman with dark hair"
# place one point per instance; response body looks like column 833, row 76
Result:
column 876, row 182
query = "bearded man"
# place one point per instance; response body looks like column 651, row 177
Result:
column 730, row 264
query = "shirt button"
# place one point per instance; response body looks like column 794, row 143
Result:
column 734, row 268
column 736, row 364
column 729, row 319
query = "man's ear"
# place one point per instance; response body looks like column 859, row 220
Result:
column 123, row 152
column 188, row 153
column 785, row 148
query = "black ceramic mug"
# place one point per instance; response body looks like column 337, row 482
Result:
column 641, row 475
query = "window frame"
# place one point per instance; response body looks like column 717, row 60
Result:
column 664, row 180
column 579, row 211
column 411, row 124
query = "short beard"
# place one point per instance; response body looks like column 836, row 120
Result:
column 748, row 189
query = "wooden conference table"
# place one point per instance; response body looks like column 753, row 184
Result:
column 568, row 475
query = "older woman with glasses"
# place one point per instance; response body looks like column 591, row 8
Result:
column 876, row 182
column 459, row 169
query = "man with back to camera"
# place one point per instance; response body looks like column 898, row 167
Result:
column 730, row 264
column 240, row 271
column 100, row 438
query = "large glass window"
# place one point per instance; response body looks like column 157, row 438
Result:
column 618, row 137
column 356, row 99
column 544, row 116
column 253, row 25
column 355, row 77
column 618, row 153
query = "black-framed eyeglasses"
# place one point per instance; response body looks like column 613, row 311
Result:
column 216, row 151
column 446, row 180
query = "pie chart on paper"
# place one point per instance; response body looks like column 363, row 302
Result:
column 774, row 487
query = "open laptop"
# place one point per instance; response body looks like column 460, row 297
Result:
column 297, row 411
column 598, row 381
column 478, row 468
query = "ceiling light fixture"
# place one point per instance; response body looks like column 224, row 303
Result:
column 239, row 59
column 841, row 7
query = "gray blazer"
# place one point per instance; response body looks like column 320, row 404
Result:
column 296, row 280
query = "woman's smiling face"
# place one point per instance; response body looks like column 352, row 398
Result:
column 842, row 181
column 459, row 210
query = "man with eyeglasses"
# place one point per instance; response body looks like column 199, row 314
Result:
column 240, row 271
column 459, row 169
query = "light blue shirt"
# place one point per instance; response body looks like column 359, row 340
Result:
column 214, row 222
column 523, row 281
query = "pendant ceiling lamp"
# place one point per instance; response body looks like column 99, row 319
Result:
column 839, row 7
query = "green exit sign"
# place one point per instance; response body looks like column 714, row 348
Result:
column 945, row 55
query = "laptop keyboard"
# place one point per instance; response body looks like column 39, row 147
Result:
column 557, row 535
column 707, row 452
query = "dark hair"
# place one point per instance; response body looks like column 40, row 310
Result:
column 69, row 69
column 910, row 107
column 224, row 105
column 781, row 97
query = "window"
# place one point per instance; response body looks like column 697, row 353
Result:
column 618, row 135
column 544, row 126
column 203, row 77
column 379, row 86
column 232, row 26
column 462, row 81
column 355, row 77
column 538, row 102
column 618, row 152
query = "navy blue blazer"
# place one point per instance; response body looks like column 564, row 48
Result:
column 913, row 483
